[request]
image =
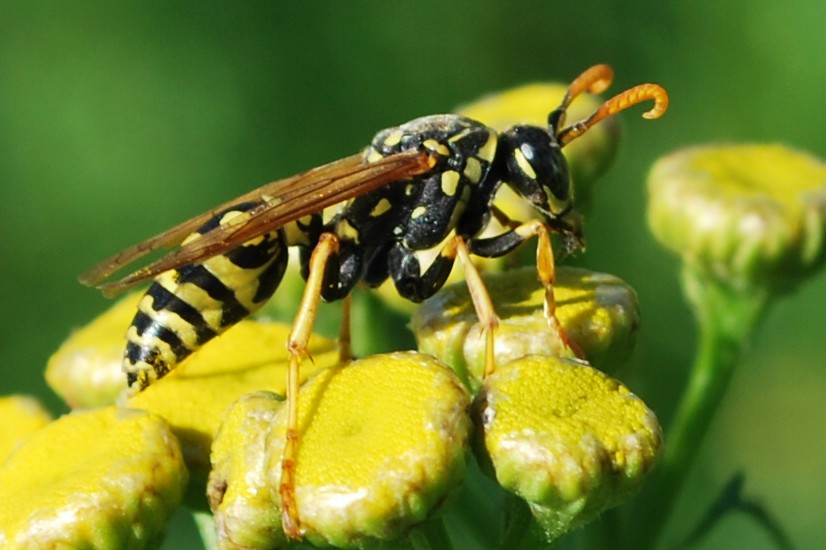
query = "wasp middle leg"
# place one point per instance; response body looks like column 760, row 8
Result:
column 416, row 286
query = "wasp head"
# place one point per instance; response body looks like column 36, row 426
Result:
column 537, row 171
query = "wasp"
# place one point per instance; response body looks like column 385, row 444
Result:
column 424, row 184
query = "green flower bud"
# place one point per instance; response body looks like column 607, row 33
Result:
column 382, row 442
column 20, row 416
column 599, row 312
column 105, row 479
column 239, row 491
column 565, row 437
column 749, row 215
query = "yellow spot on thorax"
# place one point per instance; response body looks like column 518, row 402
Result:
column 437, row 147
column 473, row 170
column 372, row 155
column 460, row 136
column 381, row 207
column 393, row 139
column 450, row 181
column 488, row 150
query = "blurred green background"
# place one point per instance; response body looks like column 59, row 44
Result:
column 118, row 120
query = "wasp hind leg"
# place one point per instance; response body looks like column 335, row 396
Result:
column 323, row 256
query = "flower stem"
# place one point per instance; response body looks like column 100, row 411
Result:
column 205, row 522
column 431, row 535
column 726, row 318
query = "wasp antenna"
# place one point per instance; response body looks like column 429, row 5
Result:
column 594, row 80
column 616, row 104
column 638, row 94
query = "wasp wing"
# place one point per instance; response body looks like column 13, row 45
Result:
column 175, row 235
column 282, row 202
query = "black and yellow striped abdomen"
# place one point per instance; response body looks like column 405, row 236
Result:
column 186, row 307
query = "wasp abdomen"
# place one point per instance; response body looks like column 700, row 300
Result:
column 186, row 307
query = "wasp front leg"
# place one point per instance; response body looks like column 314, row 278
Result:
column 501, row 245
column 405, row 270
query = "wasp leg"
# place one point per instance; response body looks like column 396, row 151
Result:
column 404, row 269
column 345, row 350
column 325, row 251
column 545, row 266
column 341, row 273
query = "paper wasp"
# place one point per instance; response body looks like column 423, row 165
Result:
column 430, row 182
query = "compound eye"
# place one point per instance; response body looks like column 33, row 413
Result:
column 538, row 170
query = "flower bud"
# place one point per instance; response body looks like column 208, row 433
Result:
column 20, row 416
column 565, row 437
column 86, row 370
column 239, row 491
column 107, row 479
column 598, row 311
column 382, row 441
column 749, row 215
column 250, row 357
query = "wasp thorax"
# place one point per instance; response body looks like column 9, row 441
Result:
column 537, row 170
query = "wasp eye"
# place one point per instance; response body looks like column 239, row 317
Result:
column 537, row 170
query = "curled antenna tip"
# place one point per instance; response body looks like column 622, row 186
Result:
column 602, row 75
column 594, row 80
column 660, row 97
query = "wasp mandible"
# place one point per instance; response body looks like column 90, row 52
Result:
column 427, row 183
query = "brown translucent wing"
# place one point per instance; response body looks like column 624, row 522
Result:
column 284, row 201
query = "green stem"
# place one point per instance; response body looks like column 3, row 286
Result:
column 726, row 318
column 205, row 523
column 607, row 531
column 522, row 531
column 430, row 535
